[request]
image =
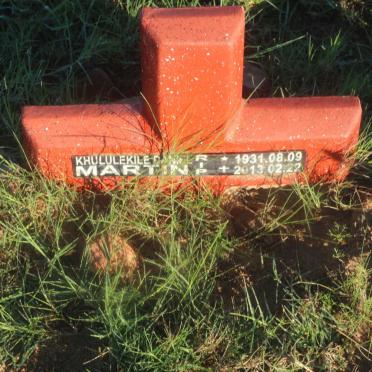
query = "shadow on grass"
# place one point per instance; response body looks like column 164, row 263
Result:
column 70, row 352
column 282, row 244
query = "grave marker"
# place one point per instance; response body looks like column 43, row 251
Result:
column 192, row 121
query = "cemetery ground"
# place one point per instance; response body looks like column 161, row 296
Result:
column 267, row 279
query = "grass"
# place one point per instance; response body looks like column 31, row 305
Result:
column 273, row 279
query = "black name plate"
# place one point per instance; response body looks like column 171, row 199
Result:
column 275, row 163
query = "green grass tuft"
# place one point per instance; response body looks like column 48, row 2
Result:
column 274, row 279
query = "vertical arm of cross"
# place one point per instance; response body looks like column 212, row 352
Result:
column 192, row 71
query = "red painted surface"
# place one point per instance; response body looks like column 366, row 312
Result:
column 192, row 70
column 210, row 115
column 326, row 128
column 53, row 134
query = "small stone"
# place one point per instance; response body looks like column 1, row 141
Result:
column 114, row 253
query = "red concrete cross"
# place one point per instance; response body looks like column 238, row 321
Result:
column 192, row 121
